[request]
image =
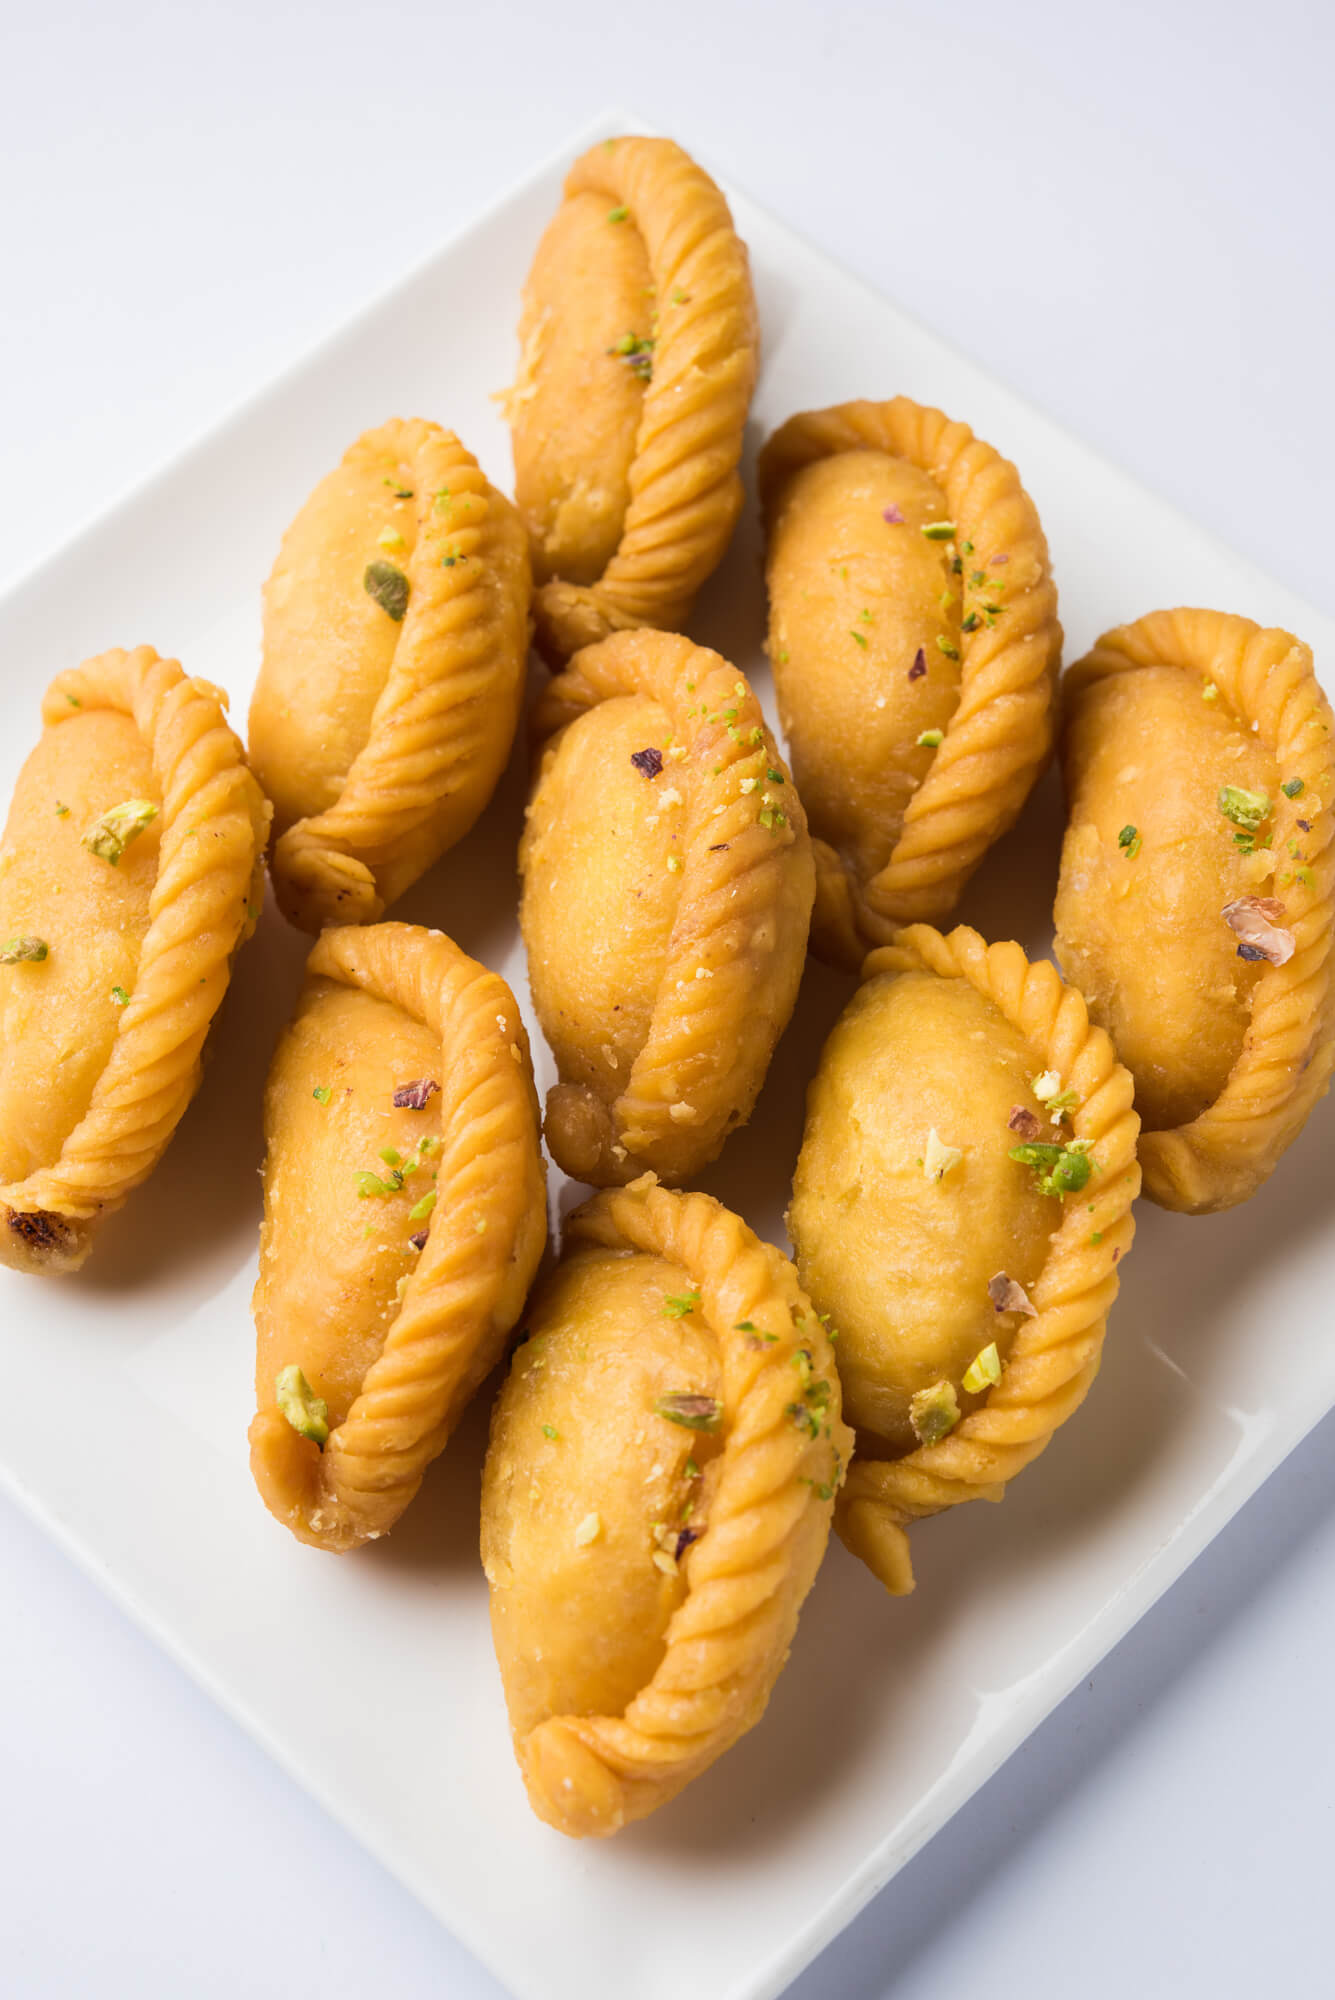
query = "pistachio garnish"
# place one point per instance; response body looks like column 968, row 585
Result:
column 984, row 1371
column 1047, row 1088
column 939, row 1159
column 389, row 588
column 1008, row 1296
column 934, row 1412
column 1245, row 809
column 647, row 762
column 307, row 1413
column 1024, row 1121
column 677, row 1305
column 414, row 1096
column 1255, row 921
column 588, row 1530
column 24, row 951
column 109, row 836
column 693, row 1412
column 1060, row 1170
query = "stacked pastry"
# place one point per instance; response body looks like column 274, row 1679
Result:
column 674, row 1436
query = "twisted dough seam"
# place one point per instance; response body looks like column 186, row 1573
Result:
column 1266, row 677
column 214, row 822
column 1000, row 736
column 685, row 490
column 435, row 715
column 1055, row 1356
column 451, row 1324
column 766, row 1532
column 696, row 1051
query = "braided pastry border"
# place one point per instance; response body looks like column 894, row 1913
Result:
column 685, row 489
column 1055, row 1356
column 732, row 880
column 767, row 1528
column 214, row 822
column 485, row 1239
column 1000, row 736
column 1267, row 678
column 445, row 719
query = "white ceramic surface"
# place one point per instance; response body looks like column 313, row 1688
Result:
column 371, row 1679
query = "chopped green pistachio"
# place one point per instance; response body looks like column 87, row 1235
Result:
column 120, row 996
column 109, row 836
column 775, row 777
column 307, row 1413
column 1096, row 1236
column 550, row 1431
column 690, row 1470
column 618, row 214
column 390, row 538
column 677, row 1307
column 322, row 1093
column 939, row 531
column 1209, row 692
column 934, row 1412
column 984, row 1371
column 421, row 1209
column 391, row 1156
column 73, row 701
column 1129, row 840
column 62, row 810
column 399, row 492
column 861, row 638
column 1246, row 809
column 373, row 1184
column 388, row 587
column 930, row 738
column 24, row 951
column 693, row 1412
column 1292, row 788
column 1061, row 1170
column 947, row 646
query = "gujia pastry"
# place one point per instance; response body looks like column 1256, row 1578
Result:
column 961, row 1203
column 637, row 362
column 395, row 639
column 131, row 870
column 915, row 646
column 656, row 1501
column 1194, row 907
column 667, row 885
column 404, row 1217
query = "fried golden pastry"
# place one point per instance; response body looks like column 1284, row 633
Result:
column 131, row 870
column 637, row 361
column 961, row 1203
column 404, row 1217
column 395, row 636
column 915, row 646
column 667, row 886
column 1195, row 901
column 656, row 1501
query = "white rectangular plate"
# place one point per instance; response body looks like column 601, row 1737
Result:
column 371, row 1679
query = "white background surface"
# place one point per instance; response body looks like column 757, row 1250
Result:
column 1124, row 214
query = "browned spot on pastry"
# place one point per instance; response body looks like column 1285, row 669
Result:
column 39, row 1230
